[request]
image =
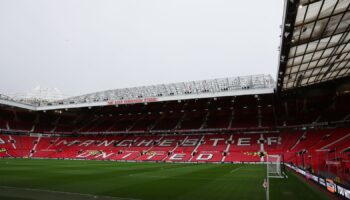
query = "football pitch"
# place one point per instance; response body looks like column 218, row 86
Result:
column 22, row 179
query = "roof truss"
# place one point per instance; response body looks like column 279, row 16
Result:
column 315, row 46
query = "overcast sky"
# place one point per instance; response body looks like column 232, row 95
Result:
column 82, row 46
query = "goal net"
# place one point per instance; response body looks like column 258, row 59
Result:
column 274, row 166
column 273, row 170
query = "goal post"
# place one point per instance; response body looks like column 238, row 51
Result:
column 273, row 170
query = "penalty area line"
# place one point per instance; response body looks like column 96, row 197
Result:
column 234, row 170
column 90, row 196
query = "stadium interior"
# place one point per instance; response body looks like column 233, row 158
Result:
column 309, row 129
column 304, row 116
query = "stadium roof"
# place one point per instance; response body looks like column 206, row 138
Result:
column 315, row 43
column 245, row 85
column 40, row 94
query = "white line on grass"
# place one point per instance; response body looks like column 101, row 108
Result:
column 150, row 176
column 234, row 170
column 68, row 193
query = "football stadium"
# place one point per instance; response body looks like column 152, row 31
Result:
column 245, row 137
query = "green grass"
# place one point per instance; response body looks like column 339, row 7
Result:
column 39, row 179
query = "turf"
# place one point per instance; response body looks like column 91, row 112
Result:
column 63, row 179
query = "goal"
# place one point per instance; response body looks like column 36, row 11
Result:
column 273, row 170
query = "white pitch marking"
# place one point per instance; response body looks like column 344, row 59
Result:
column 68, row 193
column 234, row 170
